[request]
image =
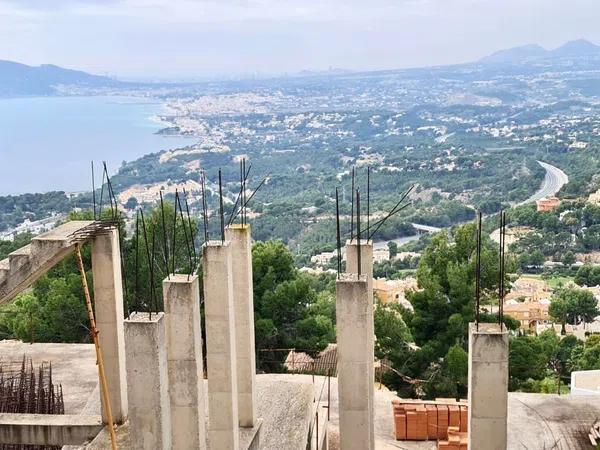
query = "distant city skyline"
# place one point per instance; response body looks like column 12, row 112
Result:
column 143, row 39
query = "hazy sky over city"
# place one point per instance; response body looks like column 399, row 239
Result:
column 185, row 38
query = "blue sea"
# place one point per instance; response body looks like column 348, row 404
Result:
column 47, row 143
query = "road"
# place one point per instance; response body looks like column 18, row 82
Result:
column 554, row 180
column 405, row 239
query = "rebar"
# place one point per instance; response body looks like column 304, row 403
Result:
column 25, row 390
column 358, row 255
column 338, row 236
column 478, row 271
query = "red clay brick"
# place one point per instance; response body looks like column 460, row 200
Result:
column 432, row 421
column 464, row 418
column 442, row 421
column 400, row 423
column 454, row 413
column 443, row 445
column 421, row 424
column 411, row 425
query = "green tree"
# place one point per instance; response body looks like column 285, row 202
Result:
column 569, row 259
column 457, row 361
column 527, row 360
column 572, row 305
column 393, row 249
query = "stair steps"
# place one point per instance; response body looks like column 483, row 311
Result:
column 27, row 264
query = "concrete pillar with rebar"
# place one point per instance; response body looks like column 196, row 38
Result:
column 243, row 302
column 488, row 386
column 147, row 382
column 223, row 432
column 354, row 309
column 108, row 305
column 184, row 360
column 365, row 256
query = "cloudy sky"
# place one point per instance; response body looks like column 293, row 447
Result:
column 189, row 38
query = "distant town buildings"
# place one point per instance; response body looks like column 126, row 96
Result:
column 33, row 227
column 394, row 291
column 530, row 314
column 547, row 204
column 594, row 198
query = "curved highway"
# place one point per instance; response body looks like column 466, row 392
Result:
column 554, row 180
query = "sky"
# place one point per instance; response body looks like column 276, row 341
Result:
column 178, row 39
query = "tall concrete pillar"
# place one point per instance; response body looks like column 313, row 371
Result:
column 223, row 432
column 354, row 309
column 366, row 268
column 147, row 382
column 243, row 304
column 184, row 361
column 108, row 304
column 488, row 387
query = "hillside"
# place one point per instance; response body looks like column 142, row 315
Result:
column 528, row 53
column 19, row 79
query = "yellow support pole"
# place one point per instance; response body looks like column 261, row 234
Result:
column 100, row 361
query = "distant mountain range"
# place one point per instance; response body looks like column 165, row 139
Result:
column 19, row 79
column 531, row 53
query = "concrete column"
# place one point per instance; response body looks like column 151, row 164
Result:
column 488, row 387
column 354, row 309
column 223, row 430
column 147, row 382
column 184, row 361
column 243, row 305
column 366, row 268
column 108, row 304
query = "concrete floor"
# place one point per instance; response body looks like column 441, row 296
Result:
column 536, row 421
column 73, row 366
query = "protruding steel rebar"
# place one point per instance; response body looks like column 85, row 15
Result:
column 101, row 197
column 478, row 272
column 93, row 190
column 338, row 235
column 185, row 235
column 174, row 240
column 358, row 254
column 501, row 284
column 395, row 210
column 191, row 230
column 137, row 267
column 165, row 240
column 352, row 208
column 221, row 207
column 368, row 197
column 244, row 191
column 149, row 259
column 204, row 206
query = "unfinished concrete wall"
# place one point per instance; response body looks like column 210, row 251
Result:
column 488, row 387
column 243, row 301
column 366, row 268
column 185, row 365
column 147, row 382
column 354, row 309
column 108, row 304
column 220, row 346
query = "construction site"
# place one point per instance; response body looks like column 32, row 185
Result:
column 161, row 376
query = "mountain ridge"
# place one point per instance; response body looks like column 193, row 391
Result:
column 17, row 79
column 531, row 52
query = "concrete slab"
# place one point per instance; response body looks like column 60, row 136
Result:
column 48, row 429
column 73, row 366
column 535, row 421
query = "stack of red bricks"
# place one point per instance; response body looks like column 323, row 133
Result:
column 457, row 440
column 417, row 420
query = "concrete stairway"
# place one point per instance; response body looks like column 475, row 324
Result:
column 27, row 264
